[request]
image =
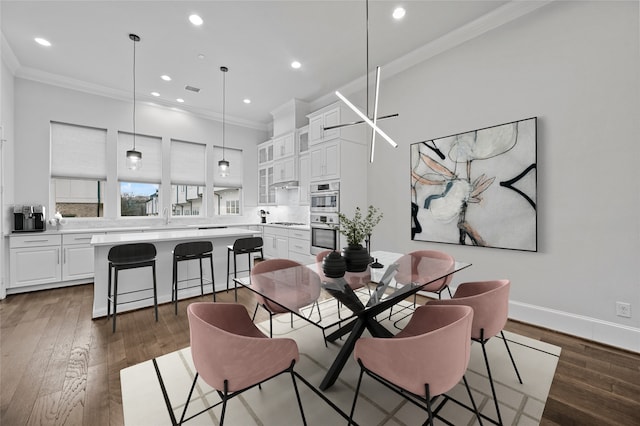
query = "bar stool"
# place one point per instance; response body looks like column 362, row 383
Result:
column 129, row 256
column 241, row 246
column 191, row 251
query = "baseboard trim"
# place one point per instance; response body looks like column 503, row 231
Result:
column 606, row 332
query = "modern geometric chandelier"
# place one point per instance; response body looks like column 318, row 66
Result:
column 372, row 122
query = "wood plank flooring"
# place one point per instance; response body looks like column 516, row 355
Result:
column 59, row 367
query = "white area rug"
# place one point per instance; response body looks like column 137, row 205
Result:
column 275, row 404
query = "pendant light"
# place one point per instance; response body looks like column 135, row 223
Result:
column 223, row 165
column 372, row 122
column 134, row 158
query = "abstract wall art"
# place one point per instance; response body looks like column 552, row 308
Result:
column 477, row 188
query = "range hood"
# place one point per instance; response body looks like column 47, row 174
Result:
column 286, row 184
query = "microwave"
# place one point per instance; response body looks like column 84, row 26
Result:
column 325, row 198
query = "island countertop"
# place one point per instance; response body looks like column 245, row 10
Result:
column 168, row 235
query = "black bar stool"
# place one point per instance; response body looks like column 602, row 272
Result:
column 241, row 246
column 129, row 256
column 191, row 251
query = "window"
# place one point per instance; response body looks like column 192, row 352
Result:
column 227, row 191
column 139, row 199
column 78, row 169
column 139, row 188
column 188, row 177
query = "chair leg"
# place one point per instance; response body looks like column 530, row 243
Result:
column 213, row 278
column 224, row 401
column 355, row 398
column 174, row 286
column 510, row 356
column 235, row 274
column 155, row 290
column 429, row 410
column 255, row 311
column 186, row 405
column 109, row 296
column 115, row 299
column 295, row 387
column 473, row 402
column 493, row 389
column 201, row 278
column 228, row 261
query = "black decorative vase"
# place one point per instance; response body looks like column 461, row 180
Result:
column 357, row 258
column 333, row 265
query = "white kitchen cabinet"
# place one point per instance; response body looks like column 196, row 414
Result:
column 300, row 246
column 304, row 176
column 276, row 242
column 325, row 161
column 285, row 170
column 265, row 152
column 266, row 193
column 302, row 140
column 321, row 120
column 284, row 146
column 77, row 256
column 34, row 259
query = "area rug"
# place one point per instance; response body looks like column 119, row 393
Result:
column 521, row 404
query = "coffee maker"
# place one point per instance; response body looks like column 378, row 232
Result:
column 29, row 219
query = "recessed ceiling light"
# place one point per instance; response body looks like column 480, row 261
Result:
column 200, row 56
column 165, row 77
column 247, row 101
column 196, row 20
column 156, row 94
column 42, row 41
column 399, row 12
column 295, row 65
column 180, row 100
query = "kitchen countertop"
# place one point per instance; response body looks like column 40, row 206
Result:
column 167, row 235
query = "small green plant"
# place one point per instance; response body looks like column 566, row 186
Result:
column 358, row 228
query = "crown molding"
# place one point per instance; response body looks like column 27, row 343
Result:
column 488, row 22
column 8, row 57
column 95, row 89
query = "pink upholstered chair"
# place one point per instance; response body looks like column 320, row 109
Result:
column 304, row 292
column 490, row 303
column 426, row 359
column 232, row 355
column 411, row 270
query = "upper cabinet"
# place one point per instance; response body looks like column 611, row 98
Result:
column 265, row 153
column 302, row 140
column 333, row 115
column 284, row 146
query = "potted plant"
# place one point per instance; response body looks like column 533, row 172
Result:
column 356, row 230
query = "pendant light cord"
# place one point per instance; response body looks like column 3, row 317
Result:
column 224, row 103
column 135, row 39
column 367, row 52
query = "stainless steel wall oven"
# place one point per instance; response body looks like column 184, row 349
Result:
column 323, row 235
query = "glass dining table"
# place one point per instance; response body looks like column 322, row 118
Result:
column 299, row 290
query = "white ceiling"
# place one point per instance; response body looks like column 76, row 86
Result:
column 257, row 40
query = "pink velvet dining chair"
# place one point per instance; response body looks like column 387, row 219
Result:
column 490, row 303
column 424, row 360
column 294, row 295
column 412, row 269
column 232, row 355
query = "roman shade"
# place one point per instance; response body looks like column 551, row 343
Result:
column 78, row 151
column 188, row 163
column 151, row 149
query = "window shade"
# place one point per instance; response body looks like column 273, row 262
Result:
column 78, row 151
column 151, row 149
column 234, row 157
column 188, row 163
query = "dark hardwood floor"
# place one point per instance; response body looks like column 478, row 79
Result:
column 59, row 367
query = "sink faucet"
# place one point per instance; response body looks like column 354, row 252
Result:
column 165, row 214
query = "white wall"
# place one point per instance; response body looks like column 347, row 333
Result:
column 6, row 165
column 576, row 66
column 37, row 104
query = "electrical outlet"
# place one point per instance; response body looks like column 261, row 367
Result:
column 623, row 309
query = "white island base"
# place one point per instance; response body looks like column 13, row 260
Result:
column 165, row 242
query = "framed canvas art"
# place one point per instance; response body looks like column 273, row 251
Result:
column 477, row 188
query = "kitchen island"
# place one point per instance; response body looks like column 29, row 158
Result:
column 165, row 242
